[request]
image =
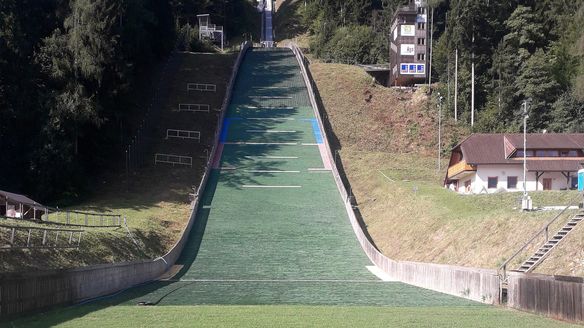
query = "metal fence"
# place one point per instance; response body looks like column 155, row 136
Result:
column 194, row 108
column 173, row 159
column 14, row 237
column 82, row 219
column 204, row 87
column 183, row 134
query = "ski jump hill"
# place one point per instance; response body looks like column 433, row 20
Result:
column 272, row 223
column 271, row 227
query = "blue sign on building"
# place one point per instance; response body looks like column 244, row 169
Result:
column 581, row 180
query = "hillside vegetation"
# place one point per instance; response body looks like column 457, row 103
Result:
column 388, row 144
column 520, row 50
column 67, row 82
column 154, row 199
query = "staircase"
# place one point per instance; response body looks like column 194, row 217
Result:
column 551, row 243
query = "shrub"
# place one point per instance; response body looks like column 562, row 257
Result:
column 355, row 44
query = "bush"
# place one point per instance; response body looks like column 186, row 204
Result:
column 188, row 40
column 355, row 44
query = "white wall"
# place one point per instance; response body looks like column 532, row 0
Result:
column 480, row 179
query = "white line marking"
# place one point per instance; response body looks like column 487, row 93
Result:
column 270, row 118
column 264, row 186
column 269, row 171
column 379, row 273
column 271, row 97
column 273, row 280
column 309, row 144
column 270, row 131
column 266, row 107
column 260, row 143
column 228, row 168
column 319, row 169
column 271, row 157
column 270, row 87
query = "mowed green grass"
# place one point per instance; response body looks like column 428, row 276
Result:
column 290, row 316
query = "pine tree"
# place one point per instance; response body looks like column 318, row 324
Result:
column 535, row 81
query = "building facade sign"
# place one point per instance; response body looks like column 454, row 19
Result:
column 407, row 49
column 408, row 30
column 412, row 68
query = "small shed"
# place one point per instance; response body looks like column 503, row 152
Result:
column 20, row 206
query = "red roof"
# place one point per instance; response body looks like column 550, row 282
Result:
column 548, row 140
column 481, row 148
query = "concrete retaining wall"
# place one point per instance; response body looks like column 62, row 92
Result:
column 26, row 292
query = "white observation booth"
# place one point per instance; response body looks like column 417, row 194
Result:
column 208, row 31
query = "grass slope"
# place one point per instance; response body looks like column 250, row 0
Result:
column 154, row 199
column 409, row 215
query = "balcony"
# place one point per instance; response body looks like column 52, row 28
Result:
column 459, row 168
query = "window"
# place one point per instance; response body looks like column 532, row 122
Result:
column 421, row 10
column 421, row 57
column 511, row 182
column 574, row 184
column 569, row 153
column 552, row 153
column 421, row 26
column 493, row 182
column 519, row 153
column 421, row 41
column 540, row 153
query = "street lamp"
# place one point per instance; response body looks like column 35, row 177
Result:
column 526, row 203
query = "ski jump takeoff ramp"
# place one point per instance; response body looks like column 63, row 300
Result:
column 272, row 227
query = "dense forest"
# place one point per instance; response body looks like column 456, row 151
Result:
column 522, row 49
column 67, row 70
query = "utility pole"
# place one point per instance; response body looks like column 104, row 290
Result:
column 526, row 201
column 440, row 98
column 472, row 97
column 456, row 85
column 448, row 69
column 431, row 35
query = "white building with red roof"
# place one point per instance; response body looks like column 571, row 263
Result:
column 486, row 163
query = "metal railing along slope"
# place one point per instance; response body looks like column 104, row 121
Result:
column 543, row 232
